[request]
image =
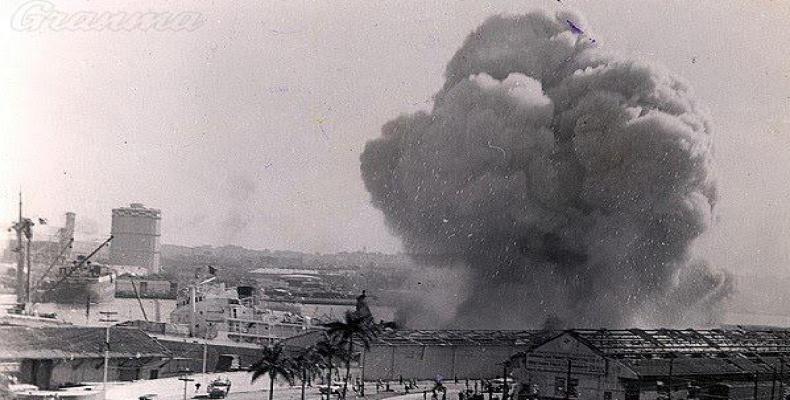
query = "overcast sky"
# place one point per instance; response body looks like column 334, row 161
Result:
column 248, row 129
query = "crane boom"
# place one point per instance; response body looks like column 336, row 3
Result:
column 52, row 264
column 83, row 261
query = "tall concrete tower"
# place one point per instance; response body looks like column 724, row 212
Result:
column 136, row 232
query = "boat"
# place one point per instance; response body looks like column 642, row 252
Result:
column 215, row 312
column 82, row 282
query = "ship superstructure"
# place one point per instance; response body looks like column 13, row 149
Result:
column 215, row 312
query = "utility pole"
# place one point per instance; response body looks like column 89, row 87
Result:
column 106, row 316
column 781, row 378
column 505, row 388
column 568, row 381
column 205, row 354
column 186, row 381
column 669, row 378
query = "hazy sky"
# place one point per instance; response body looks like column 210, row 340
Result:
column 248, row 129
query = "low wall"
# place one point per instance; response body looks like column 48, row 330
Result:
column 425, row 362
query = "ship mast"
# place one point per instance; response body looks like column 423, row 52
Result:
column 23, row 226
column 20, row 256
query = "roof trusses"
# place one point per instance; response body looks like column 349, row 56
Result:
column 459, row 338
column 637, row 343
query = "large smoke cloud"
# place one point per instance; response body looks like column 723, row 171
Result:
column 569, row 182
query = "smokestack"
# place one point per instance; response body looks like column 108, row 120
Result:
column 570, row 183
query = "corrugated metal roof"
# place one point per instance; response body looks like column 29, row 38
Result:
column 21, row 342
column 460, row 338
column 438, row 338
column 689, row 366
column 638, row 343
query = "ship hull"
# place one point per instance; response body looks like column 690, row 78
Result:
column 81, row 291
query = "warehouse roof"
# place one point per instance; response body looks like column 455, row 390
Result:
column 22, row 342
column 460, row 338
column 689, row 366
column 437, row 338
column 638, row 343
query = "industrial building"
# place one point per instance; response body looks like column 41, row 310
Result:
column 656, row 364
column 424, row 354
column 136, row 237
column 52, row 357
column 454, row 354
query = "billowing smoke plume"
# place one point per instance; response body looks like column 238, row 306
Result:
column 571, row 183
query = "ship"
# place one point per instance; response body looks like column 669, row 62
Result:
column 81, row 283
column 78, row 282
column 215, row 312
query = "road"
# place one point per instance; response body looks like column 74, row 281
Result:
column 294, row 393
column 243, row 389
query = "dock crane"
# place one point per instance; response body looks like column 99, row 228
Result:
column 80, row 264
column 52, row 264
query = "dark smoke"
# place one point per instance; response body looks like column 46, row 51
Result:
column 571, row 183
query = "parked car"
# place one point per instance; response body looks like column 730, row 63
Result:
column 498, row 385
column 336, row 389
column 219, row 388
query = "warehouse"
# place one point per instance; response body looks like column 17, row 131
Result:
column 424, row 354
column 51, row 357
column 460, row 354
column 656, row 364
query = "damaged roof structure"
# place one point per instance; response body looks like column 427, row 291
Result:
column 623, row 364
column 693, row 352
column 459, row 337
column 648, row 343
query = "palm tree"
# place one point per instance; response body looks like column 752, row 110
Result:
column 355, row 326
column 307, row 361
column 329, row 349
column 273, row 363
